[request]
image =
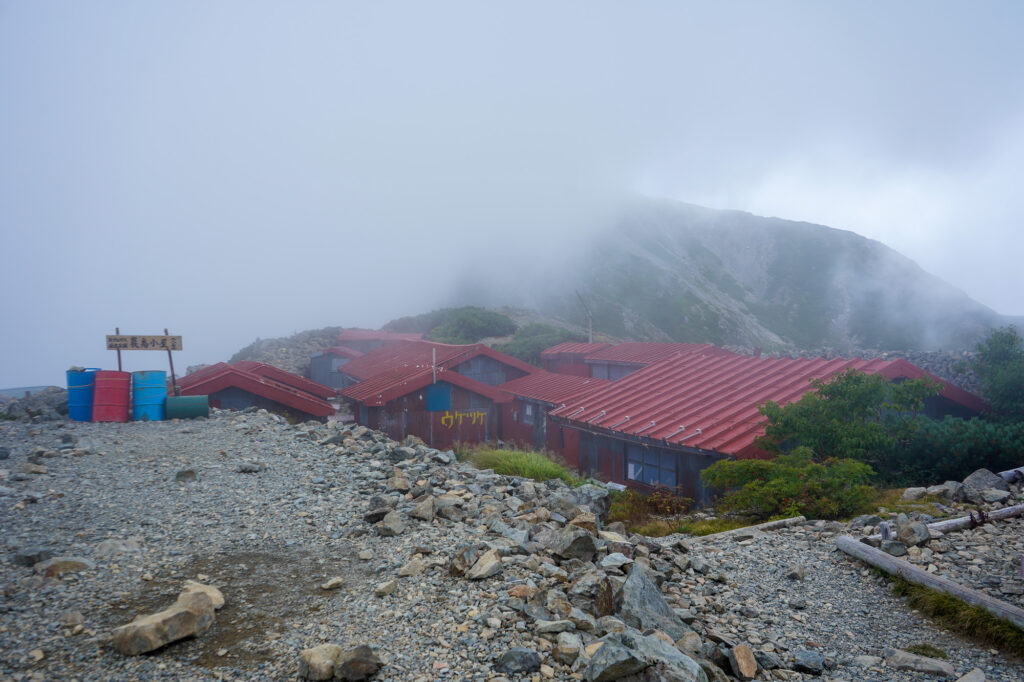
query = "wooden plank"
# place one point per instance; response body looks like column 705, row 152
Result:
column 961, row 522
column 913, row 574
column 767, row 525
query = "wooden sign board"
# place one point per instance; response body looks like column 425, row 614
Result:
column 127, row 342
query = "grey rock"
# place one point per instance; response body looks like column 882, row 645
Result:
column 983, row 478
column 518, row 660
column 4, row 452
column 912, row 533
column 613, row 661
column 596, row 498
column 377, row 508
column 391, row 525
column 639, row 603
column 976, row 675
column 806, row 661
column 30, row 556
column 186, row 476
column 357, row 664
column 904, row 660
column 568, row 543
column 249, row 468
column 865, row 520
column 911, row 494
column 894, row 547
column 990, row 495
column 425, row 510
column 767, row 660
column 796, row 572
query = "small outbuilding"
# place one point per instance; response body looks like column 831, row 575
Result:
column 234, row 387
column 324, row 366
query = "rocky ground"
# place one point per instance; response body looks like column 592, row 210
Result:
column 318, row 534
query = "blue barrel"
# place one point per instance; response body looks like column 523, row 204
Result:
column 80, row 387
column 149, row 393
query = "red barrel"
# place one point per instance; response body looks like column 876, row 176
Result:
column 110, row 396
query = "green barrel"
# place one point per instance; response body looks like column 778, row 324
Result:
column 187, row 406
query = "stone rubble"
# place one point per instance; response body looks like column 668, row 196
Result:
column 352, row 556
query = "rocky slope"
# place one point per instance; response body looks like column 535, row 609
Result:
column 675, row 271
column 325, row 535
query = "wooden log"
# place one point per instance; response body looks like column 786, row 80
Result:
column 912, row 574
column 767, row 525
column 961, row 522
column 1012, row 475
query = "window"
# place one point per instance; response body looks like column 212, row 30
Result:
column 527, row 413
column 650, row 467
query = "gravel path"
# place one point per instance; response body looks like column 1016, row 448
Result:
column 272, row 514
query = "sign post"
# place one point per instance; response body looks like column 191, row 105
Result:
column 120, row 342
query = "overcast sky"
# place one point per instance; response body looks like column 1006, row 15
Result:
column 235, row 170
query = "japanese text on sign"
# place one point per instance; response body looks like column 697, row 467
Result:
column 475, row 417
column 127, row 342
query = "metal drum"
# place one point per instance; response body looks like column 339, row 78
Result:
column 110, row 396
column 187, row 406
column 149, row 391
column 80, row 388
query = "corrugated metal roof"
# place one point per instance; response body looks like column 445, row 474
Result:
column 420, row 354
column 222, row 375
column 404, row 354
column 710, row 402
column 287, row 378
column 638, row 353
column 376, row 335
column 572, row 348
column 385, row 387
column 551, row 387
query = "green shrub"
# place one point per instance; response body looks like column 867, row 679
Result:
column 467, row 324
column 951, row 448
column 638, row 510
column 530, row 340
column 534, row 465
column 792, row 484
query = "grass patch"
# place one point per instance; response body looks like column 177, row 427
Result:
column 534, row 465
column 925, row 649
column 889, row 499
column 712, row 526
column 964, row 619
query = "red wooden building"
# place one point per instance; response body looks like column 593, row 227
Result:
column 525, row 420
column 247, row 384
column 663, row 424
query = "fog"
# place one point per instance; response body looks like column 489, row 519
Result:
column 239, row 170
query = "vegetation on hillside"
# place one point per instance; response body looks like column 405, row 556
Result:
column 468, row 324
column 999, row 365
column 793, row 484
column 851, row 416
column 856, row 427
column 531, row 339
column 533, row 465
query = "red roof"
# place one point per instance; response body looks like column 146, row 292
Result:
column 710, row 402
column 385, row 387
column 421, row 354
column 551, row 387
column 287, row 378
column 572, row 348
column 637, row 353
column 222, row 375
column 404, row 354
column 341, row 352
column 376, row 335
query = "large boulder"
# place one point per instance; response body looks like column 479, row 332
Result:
column 640, row 604
column 568, row 543
column 633, row 656
column 190, row 615
column 980, row 481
